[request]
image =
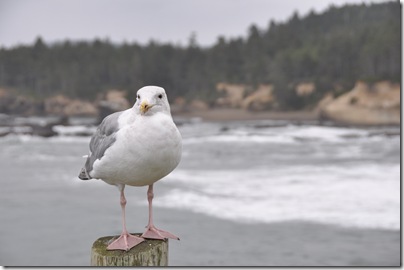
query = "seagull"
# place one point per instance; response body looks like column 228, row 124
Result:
column 136, row 147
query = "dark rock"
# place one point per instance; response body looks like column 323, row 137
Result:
column 43, row 131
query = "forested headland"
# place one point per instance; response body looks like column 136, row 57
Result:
column 332, row 50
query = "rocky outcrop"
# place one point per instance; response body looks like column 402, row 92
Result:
column 116, row 100
column 179, row 105
column 56, row 105
column 377, row 104
column 112, row 101
column 60, row 105
column 323, row 103
column 305, row 89
column 80, row 108
column 43, row 127
column 11, row 103
column 107, row 103
column 64, row 106
column 245, row 97
column 259, row 100
column 232, row 95
column 198, row 105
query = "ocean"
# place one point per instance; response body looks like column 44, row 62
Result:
column 238, row 174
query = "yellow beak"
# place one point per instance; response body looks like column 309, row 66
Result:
column 145, row 106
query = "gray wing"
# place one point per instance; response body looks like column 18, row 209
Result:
column 103, row 138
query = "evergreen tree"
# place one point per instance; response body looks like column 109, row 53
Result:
column 339, row 46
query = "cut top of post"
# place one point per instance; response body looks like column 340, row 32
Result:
column 148, row 253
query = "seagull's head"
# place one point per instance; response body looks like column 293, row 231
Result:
column 151, row 99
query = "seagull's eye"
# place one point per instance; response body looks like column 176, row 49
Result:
column 138, row 97
column 160, row 96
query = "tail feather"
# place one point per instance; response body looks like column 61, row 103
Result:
column 84, row 174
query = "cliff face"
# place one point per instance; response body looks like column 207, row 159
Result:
column 64, row 106
column 233, row 94
column 245, row 97
column 377, row 104
column 60, row 105
column 260, row 99
column 365, row 104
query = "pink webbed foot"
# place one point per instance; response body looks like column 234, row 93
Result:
column 151, row 231
column 154, row 233
column 125, row 242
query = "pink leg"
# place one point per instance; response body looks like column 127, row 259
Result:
column 151, row 231
column 125, row 241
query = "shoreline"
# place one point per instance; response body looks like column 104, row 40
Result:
column 292, row 117
column 42, row 125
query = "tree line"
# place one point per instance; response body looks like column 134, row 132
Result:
column 332, row 49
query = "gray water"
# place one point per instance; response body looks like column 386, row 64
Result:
column 234, row 174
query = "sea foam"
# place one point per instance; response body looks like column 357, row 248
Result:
column 358, row 196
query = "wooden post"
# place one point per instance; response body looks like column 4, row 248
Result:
column 148, row 253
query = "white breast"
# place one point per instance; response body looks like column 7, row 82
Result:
column 144, row 152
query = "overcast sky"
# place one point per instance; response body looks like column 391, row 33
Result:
column 21, row 21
